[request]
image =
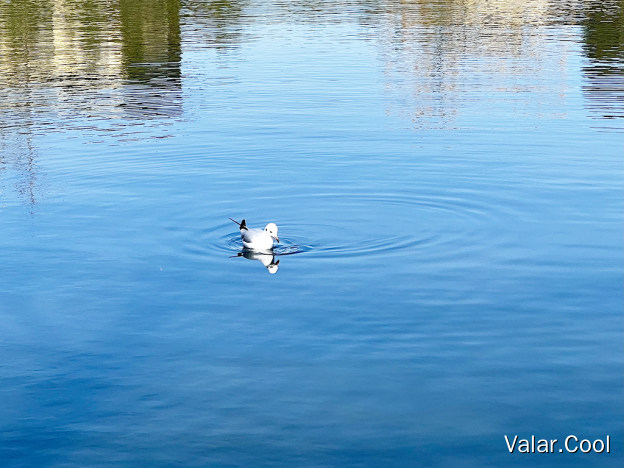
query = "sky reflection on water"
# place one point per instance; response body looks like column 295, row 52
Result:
column 447, row 181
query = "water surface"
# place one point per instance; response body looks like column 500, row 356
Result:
column 447, row 181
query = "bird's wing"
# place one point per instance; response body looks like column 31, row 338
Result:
column 250, row 235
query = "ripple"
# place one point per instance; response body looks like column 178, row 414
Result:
column 430, row 225
column 231, row 243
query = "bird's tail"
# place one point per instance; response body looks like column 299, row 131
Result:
column 242, row 225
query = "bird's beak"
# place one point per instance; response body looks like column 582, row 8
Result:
column 277, row 239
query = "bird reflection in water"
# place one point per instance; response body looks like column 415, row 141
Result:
column 266, row 258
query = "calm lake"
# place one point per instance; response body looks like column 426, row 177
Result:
column 447, row 178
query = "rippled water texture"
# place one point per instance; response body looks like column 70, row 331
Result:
column 447, row 181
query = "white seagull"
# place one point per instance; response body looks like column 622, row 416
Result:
column 258, row 239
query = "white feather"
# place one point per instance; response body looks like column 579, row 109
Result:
column 260, row 239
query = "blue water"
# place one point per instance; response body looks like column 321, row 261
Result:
column 448, row 190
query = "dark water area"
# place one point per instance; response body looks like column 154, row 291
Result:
column 447, row 178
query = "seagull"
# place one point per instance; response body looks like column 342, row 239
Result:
column 258, row 239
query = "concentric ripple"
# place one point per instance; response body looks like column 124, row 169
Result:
column 431, row 225
column 286, row 246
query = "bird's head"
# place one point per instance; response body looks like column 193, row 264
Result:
column 273, row 267
column 271, row 228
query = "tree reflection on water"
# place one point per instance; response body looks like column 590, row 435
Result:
column 603, row 41
column 100, row 64
column 89, row 65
